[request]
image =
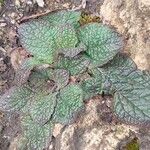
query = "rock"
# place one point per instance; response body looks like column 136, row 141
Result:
column 2, row 65
column 91, row 132
column 131, row 18
column 144, row 138
column 40, row 3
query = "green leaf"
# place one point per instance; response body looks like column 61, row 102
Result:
column 75, row 65
column 117, row 70
column 22, row 74
column 98, row 83
column 40, row 81
column 122, row 64
column 102, row 42
column 131, row 89
column 42, row 108
column 66, row 37
column 47, row 41
column 22, row 144
column 91, row 87
column 61, row 78
column 38, row 136
column 69, row 102
column 72, row 52
column 15, row 98
column 37, row 37
column 63, row 17
column 132, row 104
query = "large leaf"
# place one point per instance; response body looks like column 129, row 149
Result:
column 131, row 89
column 48, row 40
column 37, row 37
column 132, row 104
column 15, row 98
column 63, row 17
column 66, row 37
column 69, row 102
column 42, row 108
column 122, row 64
column 75, row 65
column 102, row 42
column 117, row 70
column 38, row 137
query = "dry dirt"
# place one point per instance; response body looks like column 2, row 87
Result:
column 96, row 129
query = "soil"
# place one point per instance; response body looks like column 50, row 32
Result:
column 11, row 14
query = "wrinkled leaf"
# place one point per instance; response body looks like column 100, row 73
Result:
column 63, row 17
column 24, row 70
column 102, row 42
column 47, row 41
column 22, row 143
column 38, row 136
column 73, row 65
column 37, row 37
column 42, row 108
column 72, row 52
column 15, row 98
column 40, row 81
column 131, row 88
column 117, row 70
column 132, row 104
column 91, row 87
column 61, row 78
column 69, row 102
column 66, row 37
column 122, row 64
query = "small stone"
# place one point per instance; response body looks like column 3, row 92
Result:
column 57, row 129
column 17, row 3
column 66, row 5
column 3, row 24
column 40, row 3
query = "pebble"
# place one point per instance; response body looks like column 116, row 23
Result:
column 3, row 24
column 40, row 3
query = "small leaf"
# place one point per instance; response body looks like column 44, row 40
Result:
column 70, row 101
column 38, row 136
column 91, row 87
column 61, row 78
column 15, row 98
column 37, row 37
column 40, row 81
column 72, row 52
column 75, row 65
column 22, row 143
column 63, row 17
column 24, row 70
column 102, row 42
column 42, row 108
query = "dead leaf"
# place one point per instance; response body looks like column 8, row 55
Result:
column 17, row 56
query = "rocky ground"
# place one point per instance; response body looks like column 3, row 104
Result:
column 96, row 129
